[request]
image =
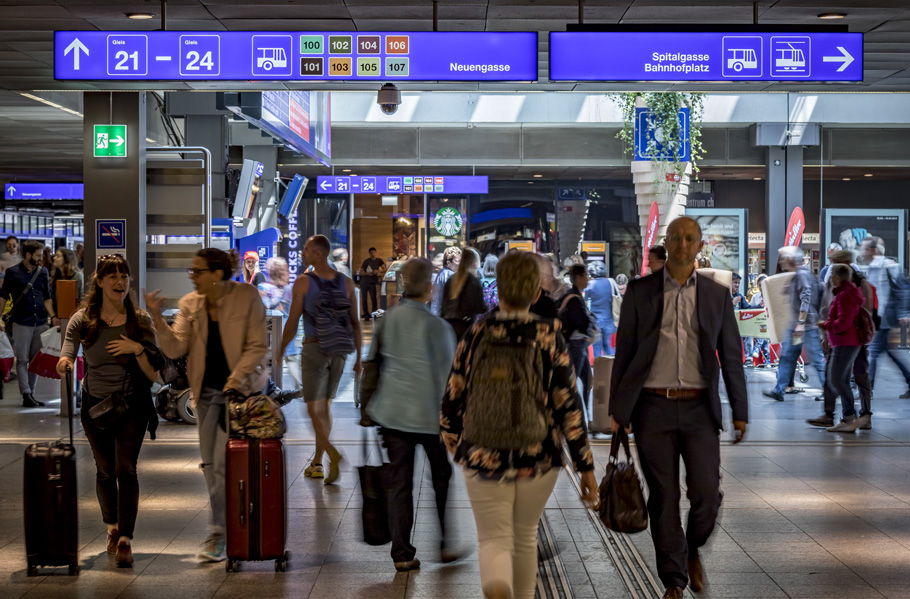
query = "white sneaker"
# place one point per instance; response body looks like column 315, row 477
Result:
column 846, row 425
column 865, row 422
column 213, row 550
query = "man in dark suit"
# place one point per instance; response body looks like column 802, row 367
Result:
column 673, row 327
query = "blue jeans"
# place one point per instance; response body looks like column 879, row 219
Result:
column 789, row 354
column 602, row 347
column 747, row 349
column 878, row 346
column 840, row 368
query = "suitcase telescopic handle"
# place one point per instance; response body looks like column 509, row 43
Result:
column 69, row 397
column 242, row 502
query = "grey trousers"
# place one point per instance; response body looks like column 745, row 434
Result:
column 213, row 447
column 27, row 342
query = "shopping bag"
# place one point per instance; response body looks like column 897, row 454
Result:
column 45, row 361
column 375, row 513
column 622, row 500
column 7, row 357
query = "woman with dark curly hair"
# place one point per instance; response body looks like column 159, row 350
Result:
column 122, row 360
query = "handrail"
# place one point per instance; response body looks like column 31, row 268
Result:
column 207, row 162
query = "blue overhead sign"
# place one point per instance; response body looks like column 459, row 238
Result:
column 43, row 191
column 649, row 138
column 295, row 55
column 689, row 56
column 402, row 184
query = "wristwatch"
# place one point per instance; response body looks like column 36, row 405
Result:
column 800, row 322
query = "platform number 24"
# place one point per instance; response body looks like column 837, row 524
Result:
column 196, row 61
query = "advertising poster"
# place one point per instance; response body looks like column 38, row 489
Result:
column 850, row 227
column 625, row 251
column 724, row 234
column 753, row 323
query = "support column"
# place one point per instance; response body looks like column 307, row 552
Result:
column 783, row 193
column 115, row 187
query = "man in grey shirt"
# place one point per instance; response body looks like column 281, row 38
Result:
column 804, row 301
column 677, row 334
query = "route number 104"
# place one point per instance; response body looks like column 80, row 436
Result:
column 196, row 61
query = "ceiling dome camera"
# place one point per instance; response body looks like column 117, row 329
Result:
column 388, row 98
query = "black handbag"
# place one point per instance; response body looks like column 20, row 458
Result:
column 108, row 412
column 375, row 512
column 369, row 381
column 622, row 500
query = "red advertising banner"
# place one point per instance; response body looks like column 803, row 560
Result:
column 650, row 235
column 795, row 227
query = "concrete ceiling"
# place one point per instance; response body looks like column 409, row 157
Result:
column 41, row 142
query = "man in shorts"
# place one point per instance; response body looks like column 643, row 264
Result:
column 320, row 371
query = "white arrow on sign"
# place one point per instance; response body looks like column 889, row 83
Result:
column 118, row 141
column 325, row 185
column 845, row 58
column 12, row 189
column 75, row 47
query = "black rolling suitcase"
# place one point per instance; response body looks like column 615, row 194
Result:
column 51, row 517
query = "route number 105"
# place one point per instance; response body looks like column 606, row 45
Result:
column 196, row 61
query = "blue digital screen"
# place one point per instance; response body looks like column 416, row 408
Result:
column 43, row 191
column 295, row 56
column 402, row 184
column 689, row 56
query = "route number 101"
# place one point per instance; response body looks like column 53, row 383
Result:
column 196, row 61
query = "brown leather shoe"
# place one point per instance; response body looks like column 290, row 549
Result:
column 673, row 593
column 112, row 538
column 407, row 566
column 696, row 573
column 124, row 555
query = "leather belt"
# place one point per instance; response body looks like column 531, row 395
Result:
column 676, row 393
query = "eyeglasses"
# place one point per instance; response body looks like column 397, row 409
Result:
column 197, row 271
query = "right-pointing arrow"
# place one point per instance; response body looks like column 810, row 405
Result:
column 75, row 48
column 846, row 58
column 117, row 141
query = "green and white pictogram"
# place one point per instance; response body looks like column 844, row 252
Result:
column 448, row 221
column 110, row 141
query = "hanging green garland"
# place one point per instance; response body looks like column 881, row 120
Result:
column 665, row 107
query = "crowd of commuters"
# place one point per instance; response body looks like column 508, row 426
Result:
column 481, row 360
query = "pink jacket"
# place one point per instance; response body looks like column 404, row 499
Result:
column 841, row 324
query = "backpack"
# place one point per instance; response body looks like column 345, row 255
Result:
column 490, row 294
column 866, row 326
column 334, row 331
column 506, row 398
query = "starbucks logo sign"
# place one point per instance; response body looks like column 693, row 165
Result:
column 448, row 221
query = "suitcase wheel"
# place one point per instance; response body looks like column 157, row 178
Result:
column 232, row 565
column 32, row 571
column 74, row 570
column 281, row 564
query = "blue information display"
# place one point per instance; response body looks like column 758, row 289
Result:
column 296, row 56
column 663, row 56
column 402, row 184
column 646, row 132
column 43, row 191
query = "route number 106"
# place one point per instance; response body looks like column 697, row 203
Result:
column 196, row 61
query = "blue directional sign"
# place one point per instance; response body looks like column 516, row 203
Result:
column 295, row 56
column 43, row 191
column 110, row 234
column 690, row 56
column 647, row 131
column 402, row 184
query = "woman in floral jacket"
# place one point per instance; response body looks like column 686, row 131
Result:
column 509, row 487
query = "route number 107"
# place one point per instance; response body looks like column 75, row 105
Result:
column 196, row 61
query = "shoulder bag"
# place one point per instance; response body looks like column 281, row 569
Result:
column 369, row 379
column 616, row 305
column 110, row 410
column 8, row 317
column 622, row 500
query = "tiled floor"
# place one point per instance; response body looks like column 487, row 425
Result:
column 807, row 514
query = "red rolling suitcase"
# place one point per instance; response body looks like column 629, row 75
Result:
column 51, row 514
column 256, row 502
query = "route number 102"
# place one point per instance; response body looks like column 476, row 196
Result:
column 196, row 61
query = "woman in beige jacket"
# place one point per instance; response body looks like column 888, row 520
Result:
column 221, row 327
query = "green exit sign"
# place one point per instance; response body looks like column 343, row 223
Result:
column 110, row 141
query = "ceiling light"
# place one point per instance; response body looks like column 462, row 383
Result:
column 530, row 182
column 756, row 178
column 140, row 16
column 538, row 176
column 345, row 170
column 832, row 15
column 845, row 179
column 49, row 103
column 867, row 175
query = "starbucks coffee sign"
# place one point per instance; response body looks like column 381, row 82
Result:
column 448, row 222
